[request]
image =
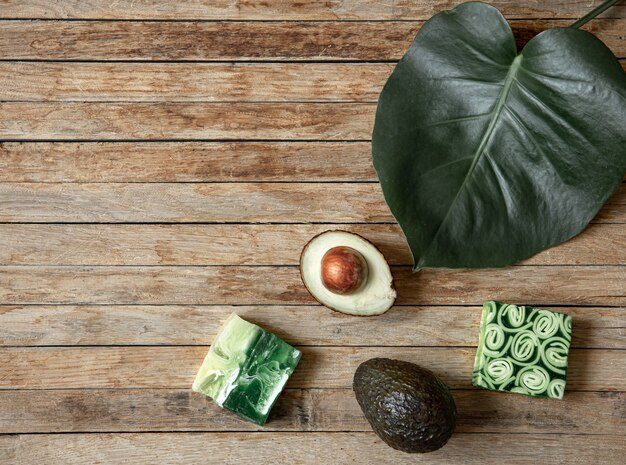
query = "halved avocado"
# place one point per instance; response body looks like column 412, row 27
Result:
column 347, row 273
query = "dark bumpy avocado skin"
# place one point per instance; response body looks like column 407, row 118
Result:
column 407, row 406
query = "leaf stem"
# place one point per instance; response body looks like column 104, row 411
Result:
column 595, row 12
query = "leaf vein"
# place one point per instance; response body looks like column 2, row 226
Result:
column 454, row 120
column 526, row 130
column 551, row 110
column 495, row 114
column 531, row 137
column 445, row 165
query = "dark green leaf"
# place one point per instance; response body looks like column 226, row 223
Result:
column 487, row 156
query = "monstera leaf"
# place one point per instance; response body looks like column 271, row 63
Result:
column 487, row 156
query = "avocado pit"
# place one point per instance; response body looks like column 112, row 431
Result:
column 347, row 273
column 344, row 270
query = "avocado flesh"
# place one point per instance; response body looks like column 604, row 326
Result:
column 407, row 406
column 375, row 296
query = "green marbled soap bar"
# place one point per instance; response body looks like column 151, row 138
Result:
column 246, row 369
column 522, row 350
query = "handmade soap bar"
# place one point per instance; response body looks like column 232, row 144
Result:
column 523, row 350
column 246, row 369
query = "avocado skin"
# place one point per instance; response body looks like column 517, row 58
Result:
column 407, row 406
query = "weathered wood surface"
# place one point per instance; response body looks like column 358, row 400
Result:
column 190, row 121
column 185, row 161
column 74, row 121
column 229, row 114
column 60, row 325
column 213, row 203
column 276, row 285
column 284, row 9
column 305, row 448
column 237, row 161
column 246, row 244
column 321, row 367
column 329, row 410
column 194, row 82
column 241, row 41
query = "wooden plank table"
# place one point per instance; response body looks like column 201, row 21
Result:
column 162, row 163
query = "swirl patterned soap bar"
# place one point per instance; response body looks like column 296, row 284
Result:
column 246, row 369
column 523, row 350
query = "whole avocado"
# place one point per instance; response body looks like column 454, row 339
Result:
column 407, row 406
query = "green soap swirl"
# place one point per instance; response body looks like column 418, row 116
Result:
column 515, row 317
column 505, row 385
column 534, row 379
column 499, row 370
column 556, row 388
column 554, row 354
column 565, row 325
column 546, row 324
column 498, row 353
column 491, row 309
column 525, row 348
column 522, row 350
column 494, row 337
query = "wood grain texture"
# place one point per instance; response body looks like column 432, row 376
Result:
column 241, row 41
column 248, row 244
column 185, row 161
column 320, row 367
column 304, row 448
column 183, row 203
column 283, row 9
column 274, row 285
column 329, row 410
column 252, row 119
column 241, row 161
column 74, row 121
column 192, row 82
column 191, row 121
column 61, row 325
column 214, row 203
